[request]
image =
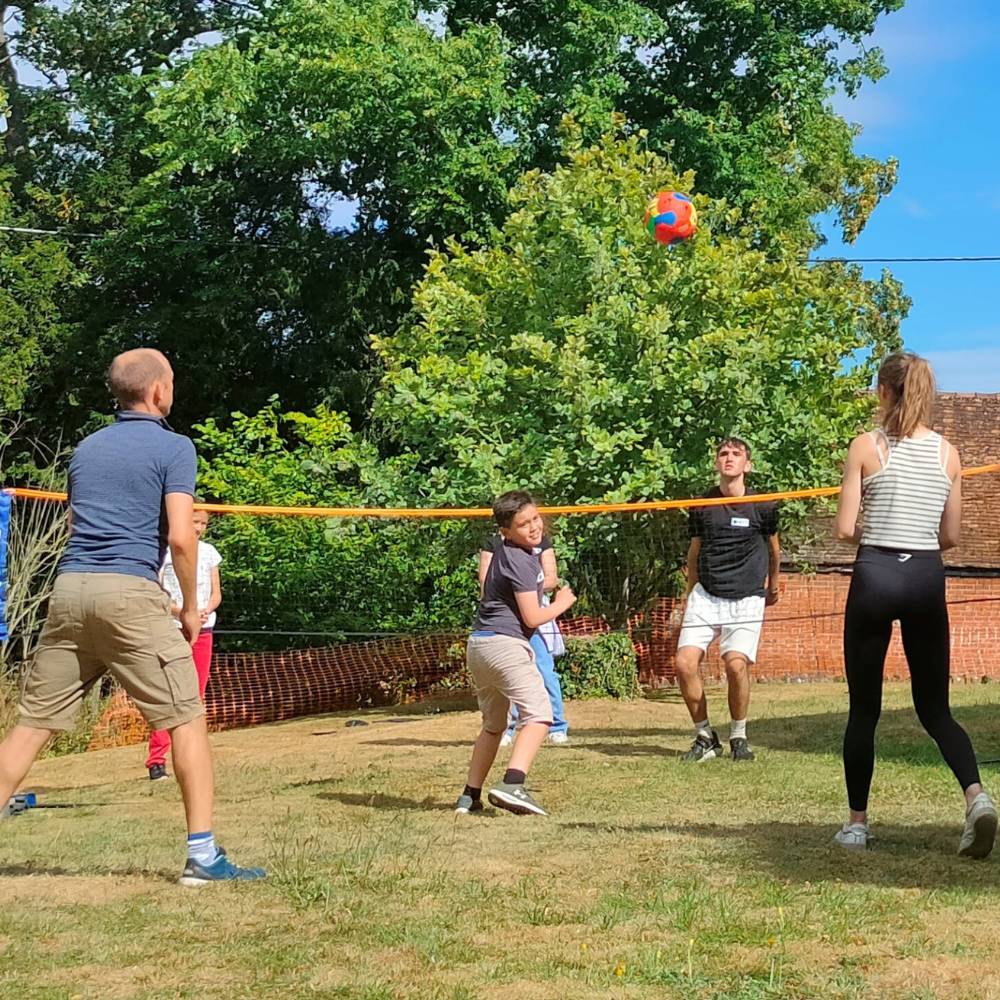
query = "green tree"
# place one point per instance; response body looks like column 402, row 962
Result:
column 216, row 138
column 580, row 358
column 34, row 276
column 738, row 91
column 340, row 575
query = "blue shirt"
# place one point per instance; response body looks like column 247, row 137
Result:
column 118, row 478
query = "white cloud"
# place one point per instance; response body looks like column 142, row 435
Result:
column 972, row 370
column 914, row 208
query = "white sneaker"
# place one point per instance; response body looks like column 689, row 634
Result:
column 980, row 828
column 506, row 739
column 853, row 836
column 560, row 738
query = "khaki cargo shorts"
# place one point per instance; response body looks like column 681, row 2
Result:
column 110, row 622
column 504, row 671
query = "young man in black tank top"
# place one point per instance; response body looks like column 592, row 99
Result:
column 733, row 565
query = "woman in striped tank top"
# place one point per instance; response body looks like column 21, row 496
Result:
column 907, row 480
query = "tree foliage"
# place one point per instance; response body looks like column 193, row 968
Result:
column 266, row 178
column 332, row 575
column 577, row 355
column 219, row 143
column 34, row 275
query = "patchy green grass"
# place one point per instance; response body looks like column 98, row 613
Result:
column 650, row 879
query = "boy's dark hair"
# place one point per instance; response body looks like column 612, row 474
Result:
column 508, row 504
column 734, row 442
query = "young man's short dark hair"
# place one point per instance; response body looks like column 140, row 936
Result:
column 733, row 442
column 509, row 504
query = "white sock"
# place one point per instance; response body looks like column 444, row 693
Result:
column 737, row 729
column 201, row 848
column 703, row 727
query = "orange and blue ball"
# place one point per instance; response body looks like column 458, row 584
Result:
column 671, row 218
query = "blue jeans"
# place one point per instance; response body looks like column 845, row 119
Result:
column 547, row 668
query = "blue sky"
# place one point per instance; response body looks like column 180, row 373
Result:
column 938, row 113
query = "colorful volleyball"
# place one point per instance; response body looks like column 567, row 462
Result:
column 671, row 218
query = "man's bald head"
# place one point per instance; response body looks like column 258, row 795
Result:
column 135, row 375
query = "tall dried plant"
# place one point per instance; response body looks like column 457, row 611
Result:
column 38, row 532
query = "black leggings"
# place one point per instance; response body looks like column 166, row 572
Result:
column 885, row 587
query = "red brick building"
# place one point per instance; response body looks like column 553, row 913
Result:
column 803, row 633
column 972, row 424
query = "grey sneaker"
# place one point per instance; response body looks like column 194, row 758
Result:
column 467, row 804
column 515, row 799
column 739, row 749
column 705, row 747
column 507, row 739
column 853, row 836
column 980, row 828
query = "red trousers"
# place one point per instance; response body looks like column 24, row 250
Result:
column 159, row 741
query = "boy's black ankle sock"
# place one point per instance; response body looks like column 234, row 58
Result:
column 512, row 777
column 474, row 793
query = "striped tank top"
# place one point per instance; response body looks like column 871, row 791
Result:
column 904, row 500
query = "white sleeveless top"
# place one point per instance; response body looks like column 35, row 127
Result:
column 904, row 500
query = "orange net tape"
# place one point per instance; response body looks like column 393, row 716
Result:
column 457, row 512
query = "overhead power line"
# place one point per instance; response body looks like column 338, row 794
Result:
column 70, row 234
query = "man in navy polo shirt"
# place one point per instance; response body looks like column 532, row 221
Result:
column 131, row 494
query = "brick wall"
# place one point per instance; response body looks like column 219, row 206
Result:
column 971, row 422
column 803, row 633
column 801, row 641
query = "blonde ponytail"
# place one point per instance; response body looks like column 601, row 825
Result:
column 909, row 382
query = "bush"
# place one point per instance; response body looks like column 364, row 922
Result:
column 599, row 667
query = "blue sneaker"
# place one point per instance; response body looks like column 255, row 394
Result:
column 220, row 870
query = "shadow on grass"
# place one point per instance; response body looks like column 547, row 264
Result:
column 585, row 733
column 401, row 741
column 631, row 750
column 914, row 857
column 899, row 736
column 28, row 870
column 378, row 800
column 610, row 749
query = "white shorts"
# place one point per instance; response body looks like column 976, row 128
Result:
column 738, row 622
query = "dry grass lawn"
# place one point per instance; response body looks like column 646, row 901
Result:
column 650, row 878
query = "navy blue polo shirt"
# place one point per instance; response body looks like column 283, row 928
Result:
column 118, row 478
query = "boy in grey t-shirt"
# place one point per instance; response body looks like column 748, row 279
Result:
column 501, row 659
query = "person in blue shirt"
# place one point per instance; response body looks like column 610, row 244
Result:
column 131, row 496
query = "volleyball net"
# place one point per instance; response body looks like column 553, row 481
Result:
column 327, row 609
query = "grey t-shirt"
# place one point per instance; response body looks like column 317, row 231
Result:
column 118, row 478
column 512, row 571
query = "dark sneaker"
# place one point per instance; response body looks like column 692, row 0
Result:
column 467, row 804
column 220, row 870
column 740, row 749
column 705, row 747
column 158, row 772
column 515, row 799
